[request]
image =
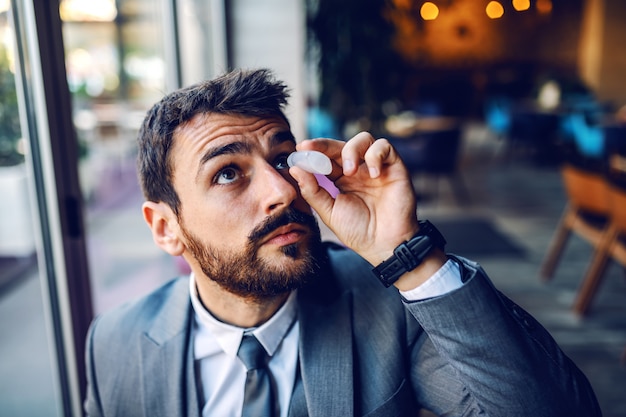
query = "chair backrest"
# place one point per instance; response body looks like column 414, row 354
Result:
column 433, row 152
column 617, row 191
column 617, row 196
column 587, row 190
column 441, row 151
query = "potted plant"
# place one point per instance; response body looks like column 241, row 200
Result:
column 16, row 231
column 359, row 70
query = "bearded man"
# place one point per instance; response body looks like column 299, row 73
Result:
column 273, row 322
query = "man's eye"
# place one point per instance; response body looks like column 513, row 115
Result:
column 281, row 162
column 227, row 175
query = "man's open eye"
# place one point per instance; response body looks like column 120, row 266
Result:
column 227, row 175
column 281, row 162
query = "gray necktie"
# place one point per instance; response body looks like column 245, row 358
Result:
column 258, row 396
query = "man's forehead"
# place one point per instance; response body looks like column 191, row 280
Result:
column 235, row 126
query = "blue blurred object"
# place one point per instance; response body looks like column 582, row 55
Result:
column 498, row 116
column 320, row 124
column 589, row 139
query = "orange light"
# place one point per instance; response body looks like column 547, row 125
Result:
column 494, row 10
column 544, row 6
column 402, row 4
column 429, row 11
column 521, row 5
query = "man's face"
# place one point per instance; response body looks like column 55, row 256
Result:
column 242, row 219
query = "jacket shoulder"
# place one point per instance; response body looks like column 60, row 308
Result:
column 116, row 343
column 140, row 315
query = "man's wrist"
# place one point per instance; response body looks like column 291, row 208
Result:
column 411, row 254
column 429, row 267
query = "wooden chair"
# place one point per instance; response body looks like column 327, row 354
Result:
column 585, row 214
column 612, row 245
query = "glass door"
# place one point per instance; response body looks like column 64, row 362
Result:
column 32, row 345
column 116, row 64
column 121, row 57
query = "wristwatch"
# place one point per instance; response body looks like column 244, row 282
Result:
column 409, row 254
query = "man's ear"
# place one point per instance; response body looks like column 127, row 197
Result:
column 164, row 226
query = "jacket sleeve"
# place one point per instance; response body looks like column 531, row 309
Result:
column 484, row 355
column 92, row 404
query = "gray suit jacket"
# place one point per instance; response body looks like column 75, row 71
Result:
column 363, row 351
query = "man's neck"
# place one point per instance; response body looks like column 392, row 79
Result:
column 236, row 310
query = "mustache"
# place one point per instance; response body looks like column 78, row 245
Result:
column 288, row 216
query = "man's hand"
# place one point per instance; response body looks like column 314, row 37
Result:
column 376, row 209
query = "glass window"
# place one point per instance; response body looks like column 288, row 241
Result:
column 27, row 378
column 115, row 60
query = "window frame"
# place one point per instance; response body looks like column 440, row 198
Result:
column 46, row 119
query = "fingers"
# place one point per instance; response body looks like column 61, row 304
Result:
column 349, row 155
column 380, row 153
column 354, row 152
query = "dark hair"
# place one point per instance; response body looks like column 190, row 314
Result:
column 240, row 92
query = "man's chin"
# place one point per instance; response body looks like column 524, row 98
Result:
column 293, row 258
column 294, row 251
column 291, row 251
column 285, row 258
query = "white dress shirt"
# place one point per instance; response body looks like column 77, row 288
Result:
column 445, row 280
column 222, row 375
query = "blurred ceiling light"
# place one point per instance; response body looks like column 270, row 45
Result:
column 544, row 6
column 88, row 10
column 402, row 4
column 429, row 11
column 494, row 10
column 521, row 5
column 5, row 5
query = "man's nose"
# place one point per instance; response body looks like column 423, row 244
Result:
column 276, row 189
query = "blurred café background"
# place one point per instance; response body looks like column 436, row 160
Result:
column 511, row 116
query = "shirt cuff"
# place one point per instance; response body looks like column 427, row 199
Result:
column 445, row 280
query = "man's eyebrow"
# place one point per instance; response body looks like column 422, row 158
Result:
column 243, row 147
column 228, row 149
column 282, row 137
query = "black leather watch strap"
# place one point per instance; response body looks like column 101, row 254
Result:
column 408, row 255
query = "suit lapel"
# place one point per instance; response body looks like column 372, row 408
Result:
column 167, row 367
column 326, row 362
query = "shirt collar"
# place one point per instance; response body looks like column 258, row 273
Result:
column 213, row 335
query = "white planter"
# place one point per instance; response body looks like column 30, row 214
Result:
column 16, row 227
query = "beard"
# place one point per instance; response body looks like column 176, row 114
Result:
column 245, row 274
